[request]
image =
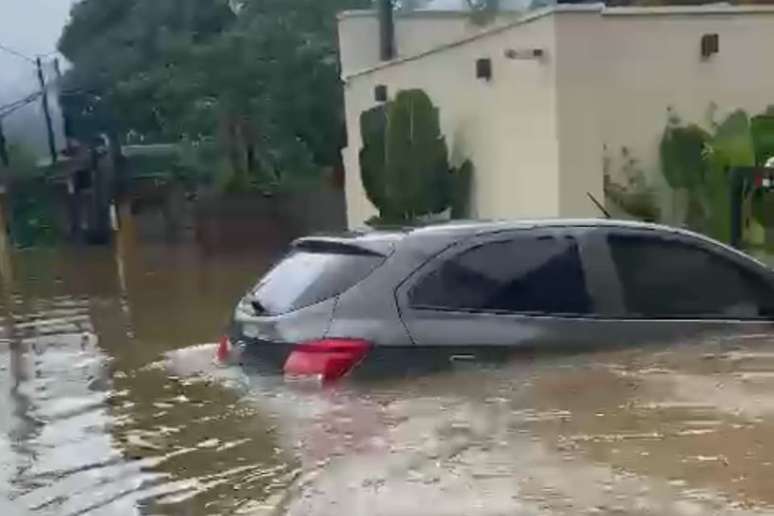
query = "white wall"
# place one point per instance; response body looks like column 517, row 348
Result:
column 620, row 70
column 506, row 126
column 414, row 33
column 579, row 76
column 540, row 131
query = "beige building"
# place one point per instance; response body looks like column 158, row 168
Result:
column 575, row 90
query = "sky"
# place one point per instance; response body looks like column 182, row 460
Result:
column 31, row 27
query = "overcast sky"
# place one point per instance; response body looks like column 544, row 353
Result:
column 32, row 27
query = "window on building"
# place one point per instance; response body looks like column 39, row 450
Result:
column 525, row 274
column 671, row 279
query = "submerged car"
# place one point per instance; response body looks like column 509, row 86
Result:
column 400, row 301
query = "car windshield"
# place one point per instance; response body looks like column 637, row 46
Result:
column 304, row 278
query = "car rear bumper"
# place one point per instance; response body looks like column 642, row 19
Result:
column 255, row 354
column 266, row 357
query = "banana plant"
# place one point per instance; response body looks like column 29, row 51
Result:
column 731, row 146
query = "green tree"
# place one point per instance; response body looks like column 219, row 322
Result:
column 415, row 159
column 731, row 146
column 125, row 57
column 682, row 160
column 260, row 79
column 373, row 130
column 404, row 161
column 684, row 167
column 762, row 130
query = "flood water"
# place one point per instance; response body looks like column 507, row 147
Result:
column 111, row 404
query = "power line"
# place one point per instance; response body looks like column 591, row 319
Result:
column 7, row 109
column 48, row 54
column 25, row 98
column 46, row 110
column 16, row 53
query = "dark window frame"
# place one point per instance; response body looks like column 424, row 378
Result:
column 577, row 234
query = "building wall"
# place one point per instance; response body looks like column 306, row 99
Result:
column 620, row 69
column 414, row 33
column 506, row 126
column 579, row 91
column 542, row 132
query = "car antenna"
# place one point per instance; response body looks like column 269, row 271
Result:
column 599, row 205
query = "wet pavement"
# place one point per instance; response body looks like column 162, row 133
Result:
column 111, row 404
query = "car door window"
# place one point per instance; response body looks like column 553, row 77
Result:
column 524, row 274
column 672, row 279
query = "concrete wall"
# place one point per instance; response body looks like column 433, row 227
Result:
column 649, row 60
column 506, row 126
column 580, row 81
column 541, row 131
column 244, row 220
column 414, row 34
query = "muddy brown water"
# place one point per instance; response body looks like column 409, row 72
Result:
column 111, row 404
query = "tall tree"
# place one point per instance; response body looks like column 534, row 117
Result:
column 124, row 51
column 260, row 76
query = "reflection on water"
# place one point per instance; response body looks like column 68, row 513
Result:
column 112, row 405
column 94, row 427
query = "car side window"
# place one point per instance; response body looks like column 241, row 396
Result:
column 524, row 274
column 672, row 279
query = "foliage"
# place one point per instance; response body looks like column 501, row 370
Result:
column 698, row 162
column 762, row 129
column 404, row 161
column 33, row 217
column 762, row 206
column 732, row 143
column 373, row 128
column 637, row 203
column 684, row 167
column 415, row 157
column 125, row 53
column 22, row 163
column 261, row 80
column 461, row 182
column 197, row 162
column 731, row 146
column 681, row 150
column 635, row 197
column 483, row 11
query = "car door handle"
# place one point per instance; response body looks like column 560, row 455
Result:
column 462, row 358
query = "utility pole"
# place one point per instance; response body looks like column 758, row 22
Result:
column 4, row 161
column 386, row 30
column 46, row 112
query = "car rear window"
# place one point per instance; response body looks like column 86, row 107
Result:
column 303, row 278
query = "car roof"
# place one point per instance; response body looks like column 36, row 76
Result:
column 461, row 229
column 477, row 227
column 383, row 240
column 464, row 228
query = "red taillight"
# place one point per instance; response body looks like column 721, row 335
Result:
column 224, row 349
column 328, row 359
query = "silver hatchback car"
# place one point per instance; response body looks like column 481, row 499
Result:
column 423, row 299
